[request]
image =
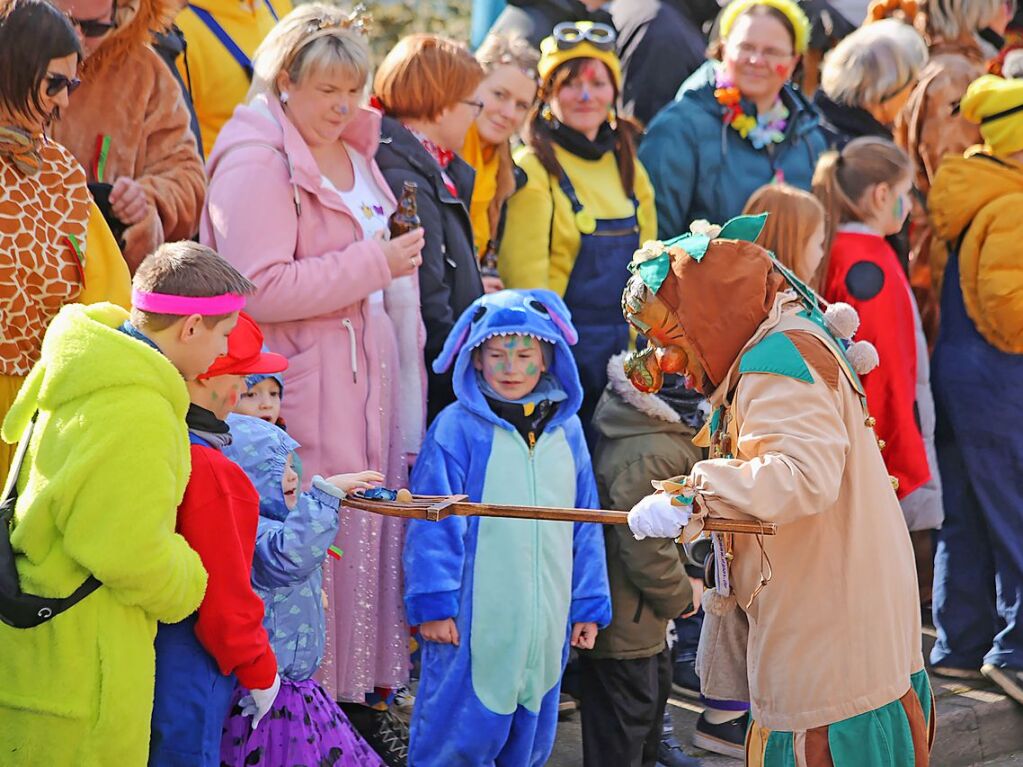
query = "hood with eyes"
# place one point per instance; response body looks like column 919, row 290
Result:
column 540, row 314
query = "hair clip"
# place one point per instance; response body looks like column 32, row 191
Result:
column 360, row 20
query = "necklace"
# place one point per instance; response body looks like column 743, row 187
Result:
column 764, row 129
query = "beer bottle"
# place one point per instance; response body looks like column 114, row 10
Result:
column 488, row 263
column 405, row 218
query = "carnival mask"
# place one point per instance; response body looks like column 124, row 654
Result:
column 652, row 318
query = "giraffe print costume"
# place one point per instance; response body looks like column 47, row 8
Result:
column 40, row 270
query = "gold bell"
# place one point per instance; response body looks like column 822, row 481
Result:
column 895, row 482
column 871, row 421
column 881, row 444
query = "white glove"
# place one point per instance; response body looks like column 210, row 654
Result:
column 655, row 517
column 259, row 702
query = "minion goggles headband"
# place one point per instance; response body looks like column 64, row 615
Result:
column 568, row 35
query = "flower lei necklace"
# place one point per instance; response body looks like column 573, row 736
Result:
column 768, row 128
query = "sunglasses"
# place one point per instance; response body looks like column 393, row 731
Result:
column 568, row 35
column 56, row 83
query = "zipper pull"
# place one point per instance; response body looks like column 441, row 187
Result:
column 532, row 442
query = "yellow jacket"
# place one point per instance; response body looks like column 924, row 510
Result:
column 541, row 239
column 981, row 195
column 218, row 83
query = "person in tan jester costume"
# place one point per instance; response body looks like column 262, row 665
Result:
column 129, row 127
column 792, row 443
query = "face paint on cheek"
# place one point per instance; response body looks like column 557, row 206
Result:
column 532, row 369
column 781, row 70
column 899, row 208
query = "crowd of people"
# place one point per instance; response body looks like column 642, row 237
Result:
column 752, row 261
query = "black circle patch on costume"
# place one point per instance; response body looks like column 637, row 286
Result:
column 864, row 280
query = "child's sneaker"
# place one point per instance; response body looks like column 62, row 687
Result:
column 403, row 702
column 671, row 754
column 727, row 739
column 385, row 732
column 1009, row 679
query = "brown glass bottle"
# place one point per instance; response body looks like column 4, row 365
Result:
column 405, row 218
column 488, row 262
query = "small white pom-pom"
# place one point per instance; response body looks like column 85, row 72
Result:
column 862, row 355
column 842, row 320
column 715, row 604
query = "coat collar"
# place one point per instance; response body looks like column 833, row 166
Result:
column 403, row 143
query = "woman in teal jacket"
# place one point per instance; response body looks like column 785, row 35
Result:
column 736, row 124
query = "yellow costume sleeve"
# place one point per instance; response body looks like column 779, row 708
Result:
column 647, row 212
column 106, row 273
column 524, row 260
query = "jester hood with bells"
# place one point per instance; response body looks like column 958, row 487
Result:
column 700, row 297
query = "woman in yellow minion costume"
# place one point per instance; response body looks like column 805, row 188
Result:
column 978, row 575
column 587, row 204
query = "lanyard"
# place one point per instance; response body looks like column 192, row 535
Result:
column 225, row 39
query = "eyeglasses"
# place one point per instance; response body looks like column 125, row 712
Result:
column 93, row 28
column 477, row 107
column 569, row 34
column 746, row 52
column 56, row 83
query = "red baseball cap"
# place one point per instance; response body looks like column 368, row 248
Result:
column 245, row 355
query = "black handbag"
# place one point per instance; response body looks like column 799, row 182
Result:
column 18, row 609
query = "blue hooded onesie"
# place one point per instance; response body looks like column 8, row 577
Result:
column 514, row 587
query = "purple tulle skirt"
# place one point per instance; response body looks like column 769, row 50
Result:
column 305, row 728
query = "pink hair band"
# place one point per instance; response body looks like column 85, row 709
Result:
column 207, row 306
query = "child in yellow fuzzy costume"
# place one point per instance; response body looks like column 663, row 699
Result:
column 105, row 470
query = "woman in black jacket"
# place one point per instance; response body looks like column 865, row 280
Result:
column 425, row 86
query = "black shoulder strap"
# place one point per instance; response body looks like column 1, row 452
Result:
column 17, row 608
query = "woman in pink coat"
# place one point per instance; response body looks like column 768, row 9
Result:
column 297, row 203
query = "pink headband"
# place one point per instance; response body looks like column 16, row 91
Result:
column 207, row 306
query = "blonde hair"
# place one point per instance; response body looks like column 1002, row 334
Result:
column 503, row 49
column 951, row 19
column 793, row 218
column 842, row 178
column 425, row 74
column 873, row 64
column 313, row 37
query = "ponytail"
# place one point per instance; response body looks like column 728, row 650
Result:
column 842, row 179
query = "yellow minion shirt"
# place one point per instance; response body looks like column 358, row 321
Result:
column 217, row 81
column 541, row 239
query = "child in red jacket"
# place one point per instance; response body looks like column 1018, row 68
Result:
column 865, row 188
column 199, row 659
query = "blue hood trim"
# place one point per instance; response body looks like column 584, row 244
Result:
column 262, row 450
column 538, row 313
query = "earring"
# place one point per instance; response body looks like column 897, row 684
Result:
column 612, row 118
column 284, row 98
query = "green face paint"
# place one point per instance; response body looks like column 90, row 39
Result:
column 527, row 341
column 532, row 369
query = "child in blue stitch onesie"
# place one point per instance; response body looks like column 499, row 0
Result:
column 499, row 601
